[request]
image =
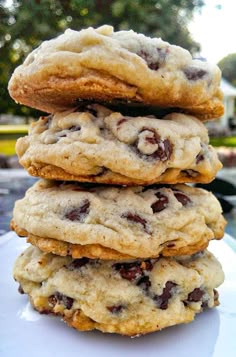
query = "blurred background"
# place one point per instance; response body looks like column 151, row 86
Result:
column 205, row 28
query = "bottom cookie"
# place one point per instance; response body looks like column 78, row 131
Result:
column 130, row 298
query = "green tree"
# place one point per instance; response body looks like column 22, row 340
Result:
column 228, row 68
column 26, row 23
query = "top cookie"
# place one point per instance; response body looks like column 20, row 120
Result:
column 103, row 65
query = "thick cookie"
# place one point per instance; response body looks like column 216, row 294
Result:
column 103, row 65
column 93, row 144
column 135, row 221
column 130, row 298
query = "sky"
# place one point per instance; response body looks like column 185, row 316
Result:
column 215, row 29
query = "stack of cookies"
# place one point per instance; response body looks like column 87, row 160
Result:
column 118, row 240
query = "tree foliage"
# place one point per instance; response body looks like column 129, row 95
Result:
column 228, row 68
column 25, row 23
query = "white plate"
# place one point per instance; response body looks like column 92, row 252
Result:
column 25, row 333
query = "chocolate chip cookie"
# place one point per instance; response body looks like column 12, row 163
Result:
column 124, row 66
column 116, row 222
column 130, row 298
column 94, row 144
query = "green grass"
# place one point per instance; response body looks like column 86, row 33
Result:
column 7, row 147
column 228, row 141
column 14, row 129
column 8, row 136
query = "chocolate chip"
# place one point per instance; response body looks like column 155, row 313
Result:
column 62, row 136
column 195, row 295
column 78, row 214
column 74, row 128
column 52, row 300
column 193, row 73
column 144, row 283
column 154, row 65
column 157, row 63
column 135, row 218
column 182, row 198
column 204, row 304
column 216, row 295
column 190, row 173
column 163, row 299
column 78, row 263
column 129, row 271
column 170, row 245
column 20, row 290
column 161, row 204
column 151, row 140
column 121, row 121
column 199, row 158
column 116, row 309
column 165, row 148
column 59, row 298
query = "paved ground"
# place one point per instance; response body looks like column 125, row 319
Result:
column 14, row 183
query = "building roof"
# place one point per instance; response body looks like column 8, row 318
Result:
column 227, row 88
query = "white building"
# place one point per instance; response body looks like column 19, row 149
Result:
column 229, row 92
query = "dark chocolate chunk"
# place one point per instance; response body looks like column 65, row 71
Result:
column 129, row 271
column 182, row 198
column 121, row 121
column 193, row 73
column 163, row 299
column 170, row 245
column 190, row 173
column 135, row 218
column 78, row 214
column 151, row 140
column 199, row 158
column 78, row 263
column 61, row 136
column 154, row 65
column 165, row 148
column 216, row 295
column 151, row 63
column 195, row 295
column 161, row 204
column 59, row 298
column 74, row 128
column 116, row 309
column 204, row 304
column 144, row 283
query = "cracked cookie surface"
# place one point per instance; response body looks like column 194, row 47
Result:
column 101, row 64
column 129, row 298
column 94, row 144
column 116, row 222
